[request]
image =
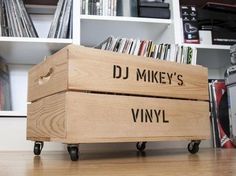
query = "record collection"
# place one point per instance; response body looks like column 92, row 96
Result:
column 61, row 26
column 15, row 21
column 99, row 7
column 147, row 48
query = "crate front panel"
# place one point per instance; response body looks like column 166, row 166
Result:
column 95, row 118
column 103, row 71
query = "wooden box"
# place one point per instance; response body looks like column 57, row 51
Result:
column 84, row 95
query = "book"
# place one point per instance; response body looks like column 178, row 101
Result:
column 64, row 28
column 70, row 30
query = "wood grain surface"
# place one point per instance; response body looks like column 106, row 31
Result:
column 94, row 70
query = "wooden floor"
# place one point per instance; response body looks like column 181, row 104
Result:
column 129, row 163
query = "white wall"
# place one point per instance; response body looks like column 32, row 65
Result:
column 18, row 84
column 42, row 24
column 13, row 136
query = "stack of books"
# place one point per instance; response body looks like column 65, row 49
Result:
column 147, row 48
column 99, row 7
column 15, row 21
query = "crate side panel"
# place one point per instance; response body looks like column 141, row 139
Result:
column 49, row 77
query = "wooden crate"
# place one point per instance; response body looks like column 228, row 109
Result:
column 84, row 95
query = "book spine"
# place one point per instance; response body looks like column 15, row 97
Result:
column 83, row 7
column 53, row 28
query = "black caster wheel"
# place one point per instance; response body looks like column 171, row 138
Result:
column 193, row 147
column 68, row 148
column 141, row 146
column 74, row 152
column 38, row 146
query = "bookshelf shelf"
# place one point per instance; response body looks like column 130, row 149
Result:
column 12, row 114
column 202, row 46
column 35, row 40
column 129, row 27
column 29, row 51
column 126, row 19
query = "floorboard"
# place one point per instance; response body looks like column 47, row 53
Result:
column 178, row 162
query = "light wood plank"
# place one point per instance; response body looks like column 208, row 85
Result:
column 93, row 118
column 75, row 117
column 92, row 69
column 96, row 70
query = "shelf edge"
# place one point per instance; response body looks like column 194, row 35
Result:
column 35, row 40
column 125, row 19
column 12, row 114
